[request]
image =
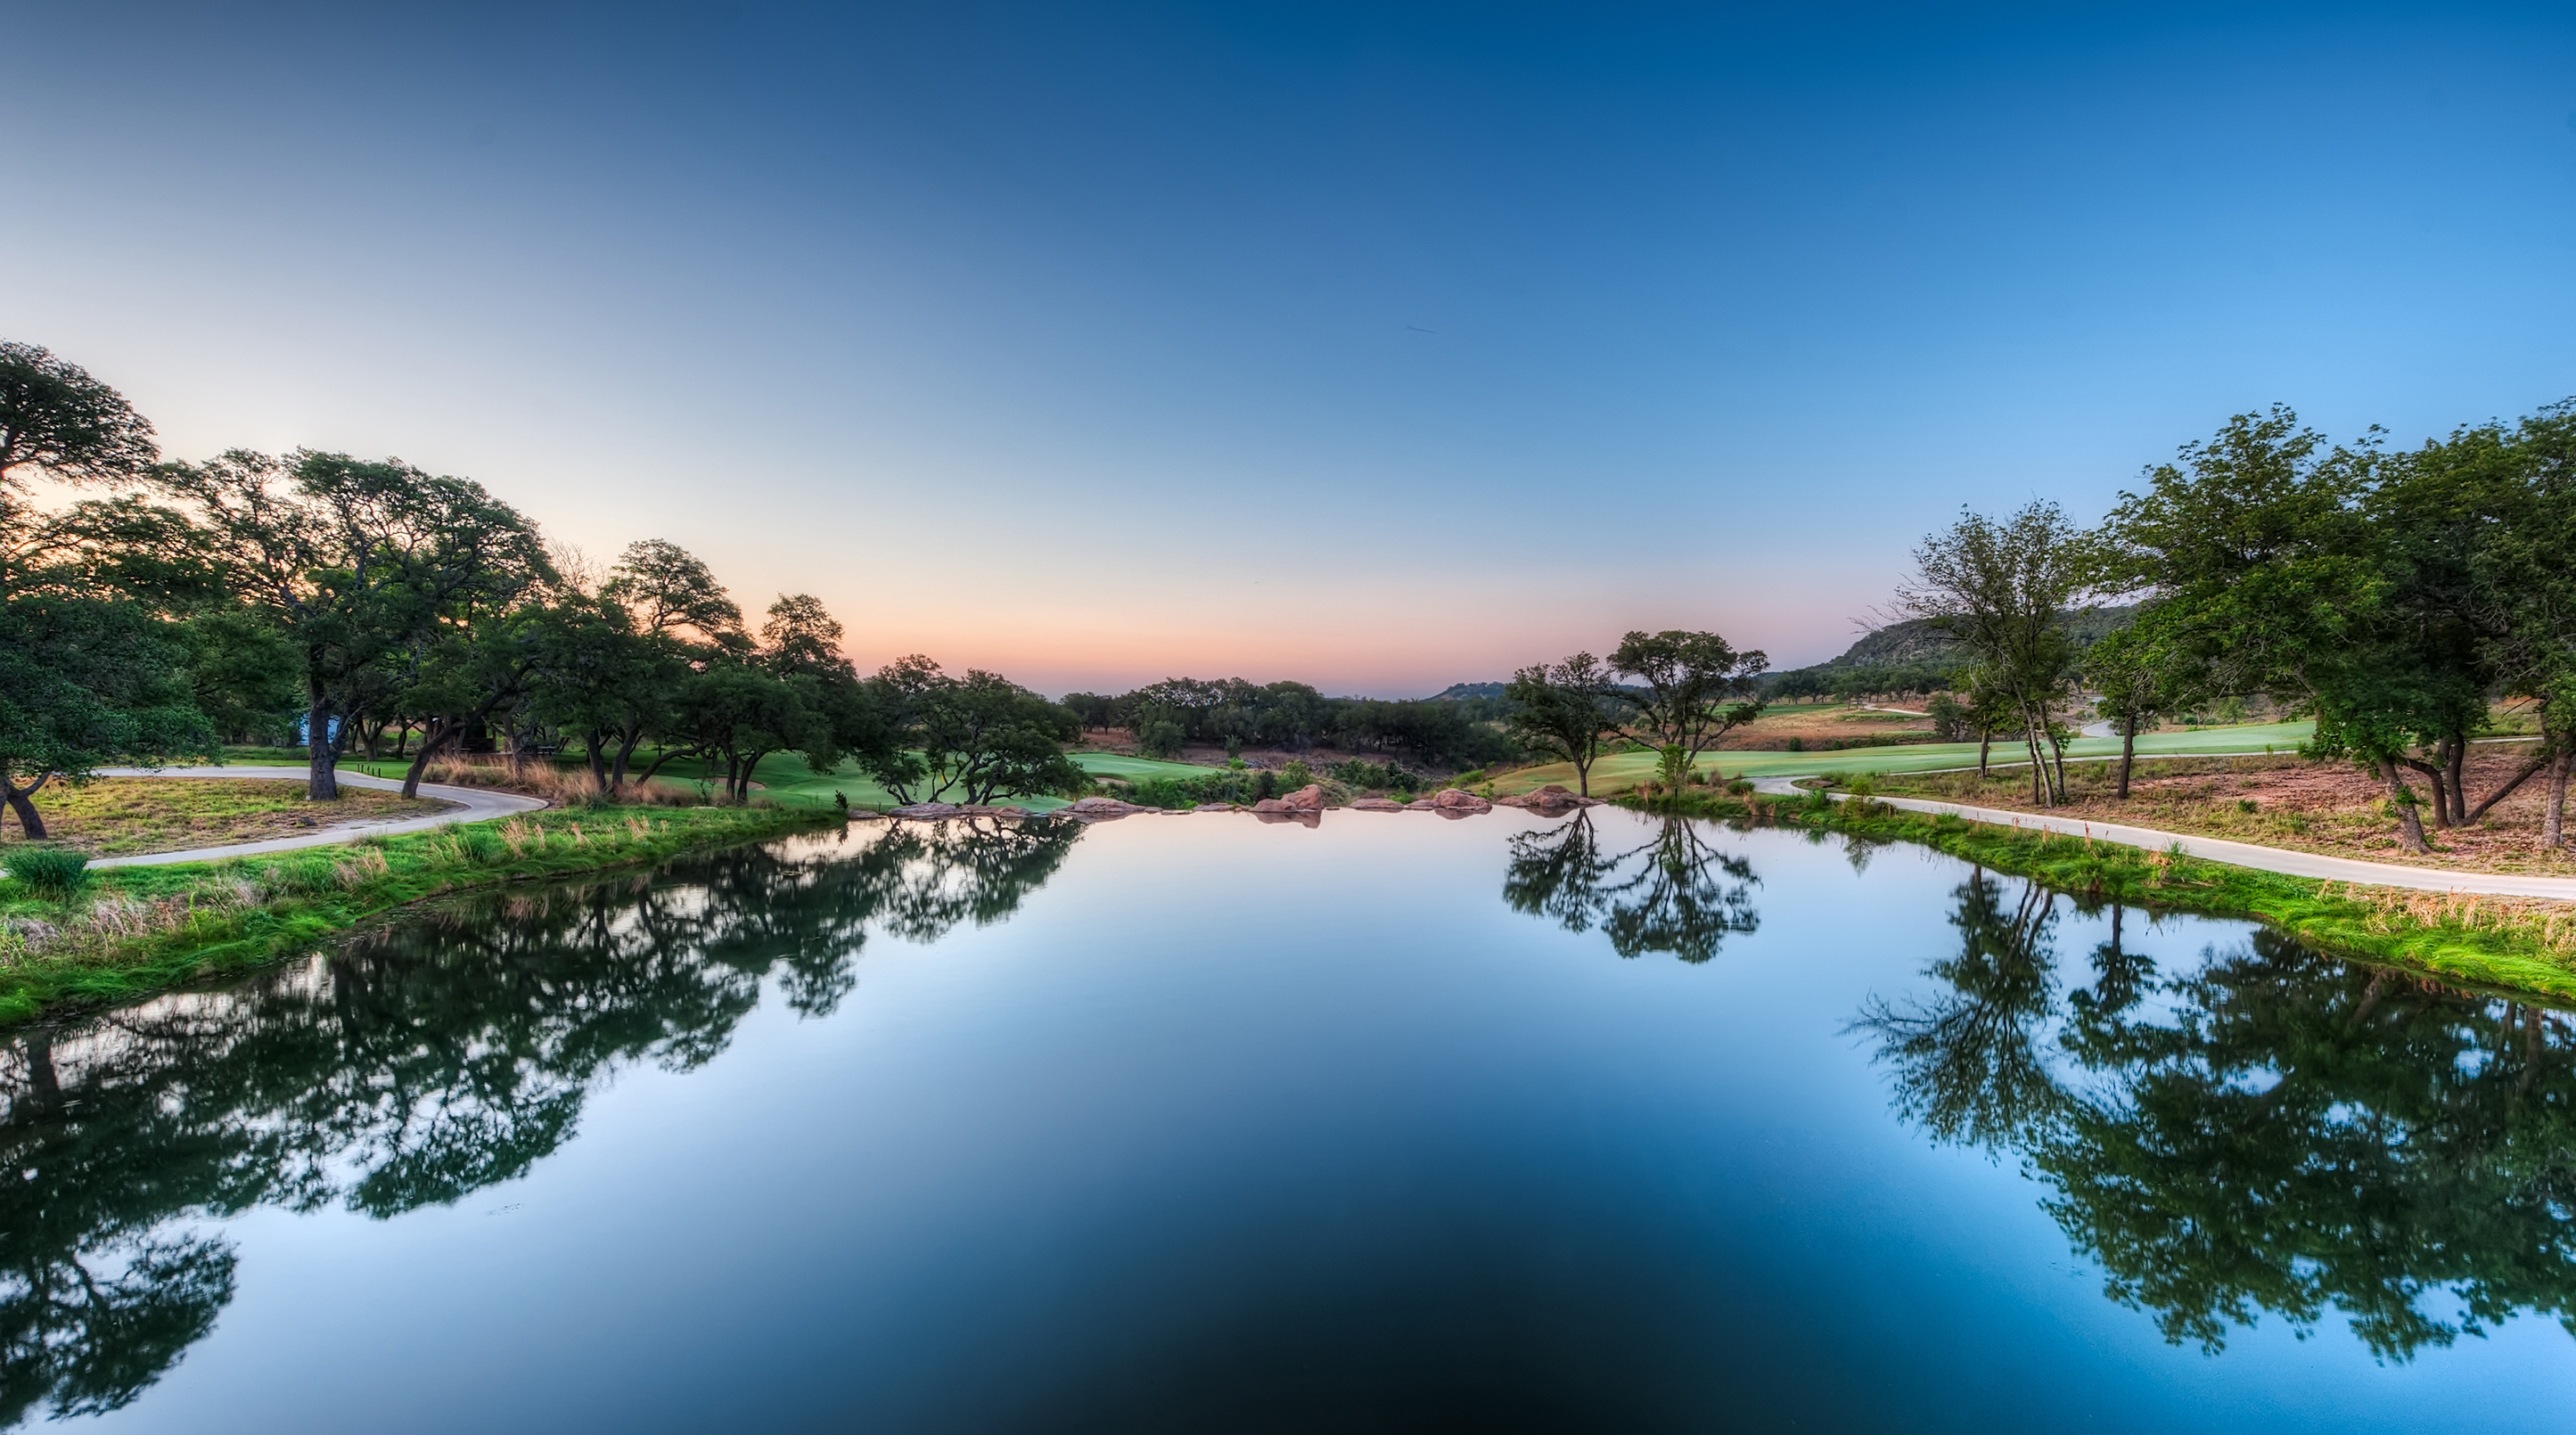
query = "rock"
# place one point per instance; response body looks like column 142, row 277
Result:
column 1271, row 804
column 1376, row 804
column 1216, row 807
column 1514, row 802
column 930, row 811
column 1309, row 798
column 1459, row 800
column 1551, row 796
column 1422, row 804
column 1105, row 806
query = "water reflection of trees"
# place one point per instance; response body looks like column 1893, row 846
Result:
column 2274, row 1131
column 443, row 1055
column 1675, row 892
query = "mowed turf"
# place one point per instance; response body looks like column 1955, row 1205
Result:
column 1621, row 771
column 786, row 779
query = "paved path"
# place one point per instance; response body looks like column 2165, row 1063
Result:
column 2236, row 854
column 473, row 804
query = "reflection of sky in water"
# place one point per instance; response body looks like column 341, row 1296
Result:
column 1233, row 1126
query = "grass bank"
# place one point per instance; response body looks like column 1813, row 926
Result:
column 2517, row 944
column 135, row 930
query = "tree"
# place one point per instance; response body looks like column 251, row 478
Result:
column 1697, row 689
column 981, row 736
column 597, row 676
column 85, row 677
column 57, row 420
column 669, row 590
column 2003, row 591
column 2259, row 548
column 351, row 561
column 1565, row 710
column 2135, row 670
column 85, row 682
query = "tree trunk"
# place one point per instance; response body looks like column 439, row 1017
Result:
column 2057, row 754
column 322, row 778
column 2410, row 823
column 430, row 742
column 2038, row 763
column 2128, row 752
column 29, row 819
column 2458, row 743
column 1583, row 775
column 626, row 744
column 2553, row 831
column 1985, row 745
column 598, row 759
column 2434, row 776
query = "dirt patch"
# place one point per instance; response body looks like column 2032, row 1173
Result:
column 129, row 816
column 2327, row 807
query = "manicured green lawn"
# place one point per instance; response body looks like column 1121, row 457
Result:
column 1625, row 770
column 787, row 780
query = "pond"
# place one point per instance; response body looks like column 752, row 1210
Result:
column 1388, row 1123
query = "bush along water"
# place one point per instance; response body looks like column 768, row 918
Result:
column 2516, row 944
column 56, row 873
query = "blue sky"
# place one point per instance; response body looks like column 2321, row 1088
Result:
column 1380, row 347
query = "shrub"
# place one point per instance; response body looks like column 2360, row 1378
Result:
column 1739, row 788
column 1797, row 744
column 52, row 871
column 1294, row 774
column 1160, row 739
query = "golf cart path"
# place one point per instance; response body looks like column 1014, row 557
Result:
column 473, row 804
column 2219, row 849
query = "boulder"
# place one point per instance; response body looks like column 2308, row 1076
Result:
column 1216, row 807
column 1422, row 804
column 1375, row 804
column 1459, row 800
column 1271, row 804
column 1309, row 798
column 930, row 811
column 1550, row 796
column 1105, row 806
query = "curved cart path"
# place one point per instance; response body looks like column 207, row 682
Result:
column 2219, row 849
column 473, row 804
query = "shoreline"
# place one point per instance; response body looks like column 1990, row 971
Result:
column 2470, row 939
column 142, row 930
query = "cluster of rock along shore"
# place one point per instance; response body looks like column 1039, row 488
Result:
column 1305, row 802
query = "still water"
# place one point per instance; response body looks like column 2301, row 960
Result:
column 1205, row 1124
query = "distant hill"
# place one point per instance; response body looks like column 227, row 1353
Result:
column 1461, row 692
column 1913, row 654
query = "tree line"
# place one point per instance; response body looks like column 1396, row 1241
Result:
column 254, row 594
column 2395, row 596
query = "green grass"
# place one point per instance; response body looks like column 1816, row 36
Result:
column 137, row 930
column 786, row 779
column 2503, row 944
column 1619, row 772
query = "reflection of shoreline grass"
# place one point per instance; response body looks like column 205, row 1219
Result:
column 2521, row 945
column 136, row 930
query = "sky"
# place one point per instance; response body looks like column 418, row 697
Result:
column 1379, row 347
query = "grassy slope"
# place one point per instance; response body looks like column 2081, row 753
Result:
column 140, row 929
column 1619, row 772
column 2503, row 944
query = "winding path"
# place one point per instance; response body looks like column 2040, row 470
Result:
column 2219, row 849
column 473, row 804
